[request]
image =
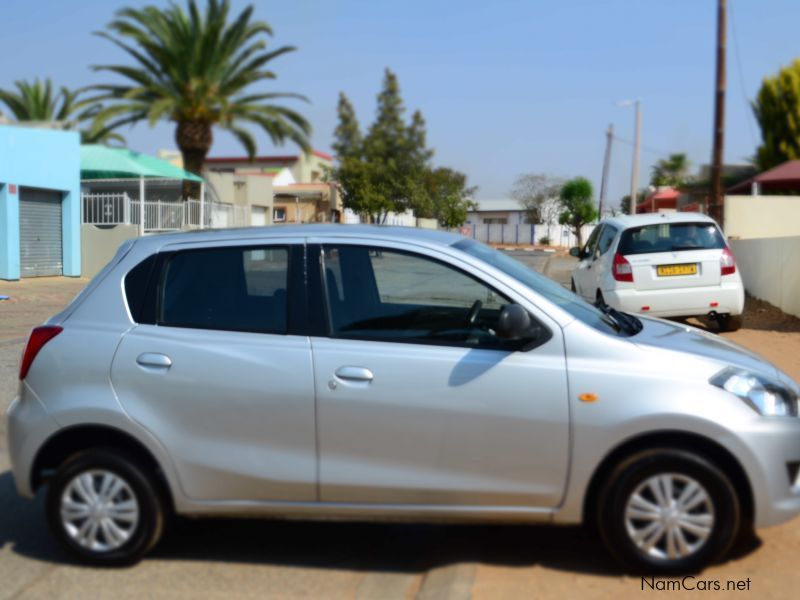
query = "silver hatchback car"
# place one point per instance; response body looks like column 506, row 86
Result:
column 369, row 372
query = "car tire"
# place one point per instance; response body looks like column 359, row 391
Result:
column 105, row 507
column 729, row 323
column 639, row 527
column 572, row 287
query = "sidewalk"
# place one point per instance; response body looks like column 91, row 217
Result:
column 33, row 301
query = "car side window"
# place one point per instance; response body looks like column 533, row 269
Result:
column 389, row 295
column 136, row 283
column 605, row 240
column 231, row 288
column 591, row 243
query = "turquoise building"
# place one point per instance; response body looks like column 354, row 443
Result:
column 40, row 218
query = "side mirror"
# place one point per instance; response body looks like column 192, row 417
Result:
column 576, row 252
column 514, row 323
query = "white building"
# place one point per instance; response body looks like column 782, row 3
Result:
column 499, row 211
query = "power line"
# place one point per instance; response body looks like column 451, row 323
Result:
column 649, row 149
column 742, row 87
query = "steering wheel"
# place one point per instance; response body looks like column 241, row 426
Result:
column 473, row 312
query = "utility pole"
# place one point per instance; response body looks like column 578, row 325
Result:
column 636, row 151
column 606, row 163
column 715, row 207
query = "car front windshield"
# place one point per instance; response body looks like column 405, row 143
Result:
column 544, row 286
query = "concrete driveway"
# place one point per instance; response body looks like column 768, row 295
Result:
column 275, row 559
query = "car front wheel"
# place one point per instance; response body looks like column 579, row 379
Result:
column 105, row 508
column 667, row 511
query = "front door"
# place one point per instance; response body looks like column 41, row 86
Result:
column 584, row 276
column 419, row 402
column 219, row 379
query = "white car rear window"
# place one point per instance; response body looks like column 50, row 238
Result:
column 670, row 237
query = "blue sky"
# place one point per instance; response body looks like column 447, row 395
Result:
column 507, row 87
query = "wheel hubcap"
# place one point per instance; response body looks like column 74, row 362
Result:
column 99, row 510
column 669, row 516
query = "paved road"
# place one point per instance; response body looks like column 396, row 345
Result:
column 258, row 559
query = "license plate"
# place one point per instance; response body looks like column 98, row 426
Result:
column 672, row 270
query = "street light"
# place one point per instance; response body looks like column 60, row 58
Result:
column 636, row 149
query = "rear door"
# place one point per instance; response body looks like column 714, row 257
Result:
column 218, row 375
column 673, row 255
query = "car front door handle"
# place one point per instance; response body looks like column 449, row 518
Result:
column 154, row 360
column 354, row 374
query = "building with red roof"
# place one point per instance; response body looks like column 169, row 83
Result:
column 781, row 179
column 663, row 199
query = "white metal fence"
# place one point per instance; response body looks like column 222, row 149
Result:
column 526, row 234
column 121, row 209
column 223, row 214
column 106, row 209
column 159, row 216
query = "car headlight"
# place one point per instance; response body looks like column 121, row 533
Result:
column 766, row 396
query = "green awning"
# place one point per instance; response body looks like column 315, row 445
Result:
column 102, row 162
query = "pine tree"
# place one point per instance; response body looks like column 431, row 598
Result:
column 348, row 141
column 385, row 139
column 389, row 169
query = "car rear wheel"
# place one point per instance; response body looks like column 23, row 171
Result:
column 668, row 512
column 105, row 508
column 728, row 323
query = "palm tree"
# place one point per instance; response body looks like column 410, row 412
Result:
column 38, row 101
column 195, row 68
column 673, row 170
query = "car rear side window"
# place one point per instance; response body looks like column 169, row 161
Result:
column 235, row 289
column 136, row 283
column 670, row 237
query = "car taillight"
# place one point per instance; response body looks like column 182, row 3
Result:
column 39, row 337
column 727, row 262
column 621, row 268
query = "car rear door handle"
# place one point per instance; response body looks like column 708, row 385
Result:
column 154, row 360
column 354, row 374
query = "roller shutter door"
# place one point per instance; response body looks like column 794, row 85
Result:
column 258, row 216
column 40, row 233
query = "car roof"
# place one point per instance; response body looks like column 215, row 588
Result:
column 628, row 221
column 339, row 230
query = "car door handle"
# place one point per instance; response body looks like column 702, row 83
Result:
column 354, row 374
column 155, row 360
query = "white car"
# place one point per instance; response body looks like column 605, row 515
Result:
column 665, row 265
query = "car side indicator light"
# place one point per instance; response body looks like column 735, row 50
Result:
column 589, row 398
column 645, row 308
column 714, row 304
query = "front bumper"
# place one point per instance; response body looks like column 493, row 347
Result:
column 679, row 302
column 773, row 445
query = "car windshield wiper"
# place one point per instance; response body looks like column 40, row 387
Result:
column 624, row 321
column 688, row 247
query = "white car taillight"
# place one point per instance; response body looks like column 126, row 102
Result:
column 727, row 262
column 621, row 268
